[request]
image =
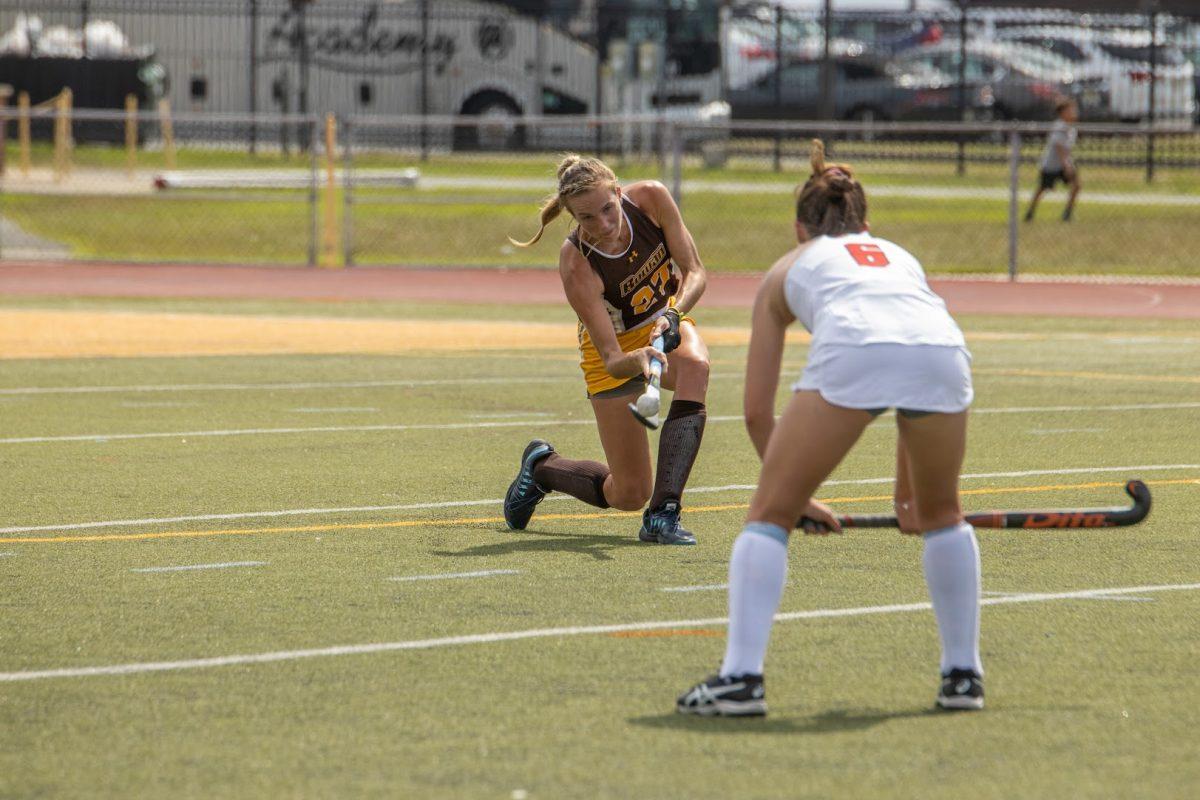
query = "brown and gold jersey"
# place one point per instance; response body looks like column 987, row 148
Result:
column 639, row 282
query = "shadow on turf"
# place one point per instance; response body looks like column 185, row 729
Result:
column 827, row 722
column 591, row 544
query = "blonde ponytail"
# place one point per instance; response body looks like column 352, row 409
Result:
column 551, row 207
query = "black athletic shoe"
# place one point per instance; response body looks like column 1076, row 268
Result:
column 962, row 690
column 524, row 494
column 661, row 525
column 734, row 696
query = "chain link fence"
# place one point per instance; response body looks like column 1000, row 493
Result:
column 395, row 191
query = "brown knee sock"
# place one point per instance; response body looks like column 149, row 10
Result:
column 583, row 480
column 678, row 445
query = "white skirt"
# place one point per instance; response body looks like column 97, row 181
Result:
column 913, row 377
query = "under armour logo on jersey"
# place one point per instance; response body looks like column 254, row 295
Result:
column 633, row 255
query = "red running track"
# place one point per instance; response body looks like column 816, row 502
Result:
column 1082, row 298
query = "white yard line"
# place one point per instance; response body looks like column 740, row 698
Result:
column 187, row 567
column 545, row 633
column 335, row 410
column 7, row 555
column 709, row 588
column 483, row 573
column 448, row 426
column 510, row 415
column 496, row 501
column 152, row 404
column 232, row 387
column 1120, row 407
column 1098, row 597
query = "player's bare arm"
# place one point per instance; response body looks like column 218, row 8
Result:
column 585, row 293
column 771, row 318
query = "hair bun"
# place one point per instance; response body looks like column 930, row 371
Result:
column 840, row 184
column 569, row 161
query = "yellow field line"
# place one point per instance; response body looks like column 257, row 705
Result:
column 442, row 523
column 1105, row 376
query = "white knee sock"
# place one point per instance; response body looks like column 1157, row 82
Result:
column 757, row 573
column 951, row 561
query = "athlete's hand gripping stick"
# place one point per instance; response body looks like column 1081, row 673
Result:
column 645, row 410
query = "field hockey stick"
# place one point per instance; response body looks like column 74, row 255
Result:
column 645, row 410
column 1061, row 518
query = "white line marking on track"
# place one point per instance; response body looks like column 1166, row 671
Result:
column 545, row 633
column 483, row 573
column 186, row 567
column 495, row 501
column 448, row 426
column 710, row 587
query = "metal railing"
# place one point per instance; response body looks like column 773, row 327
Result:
column 399, row 190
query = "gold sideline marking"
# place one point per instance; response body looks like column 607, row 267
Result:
column 464, row 521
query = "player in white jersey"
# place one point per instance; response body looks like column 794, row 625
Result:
column 880, row 339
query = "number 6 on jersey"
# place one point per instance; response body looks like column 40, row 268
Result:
column 868, row 255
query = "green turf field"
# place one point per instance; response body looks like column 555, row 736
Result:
column 317, row 497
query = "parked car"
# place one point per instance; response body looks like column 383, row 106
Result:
column 1009, row 80
column 749, row 44
column 863, row 90
column 1122, row 59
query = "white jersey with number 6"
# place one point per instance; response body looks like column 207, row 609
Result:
column 857, row 290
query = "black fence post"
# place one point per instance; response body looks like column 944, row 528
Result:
column 961, row 168
column 1152, row 116
column 827, row 65
column 778, row 156
column 425, row 80
column 85, row 13
column 598, row 99
column 301, row 6
column 253, row 76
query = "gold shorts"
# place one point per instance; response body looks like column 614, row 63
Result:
column 595, row 375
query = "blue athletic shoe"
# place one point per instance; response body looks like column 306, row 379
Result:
column 524, row 494
column 661, row 525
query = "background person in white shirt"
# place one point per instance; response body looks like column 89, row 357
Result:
column 880, row 339
column 1057, row 163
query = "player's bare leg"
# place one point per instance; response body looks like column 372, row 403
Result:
column 934, row 445
column 624, row 482
column 1033, row 203
column 809, row 441
column 627, row 451
column 1075, row 185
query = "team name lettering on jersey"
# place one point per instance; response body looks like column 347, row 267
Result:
column 648, row 266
